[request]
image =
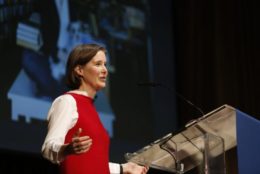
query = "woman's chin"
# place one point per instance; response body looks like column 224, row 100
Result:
column 101, row 86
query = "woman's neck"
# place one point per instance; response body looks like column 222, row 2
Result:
column 90, row 93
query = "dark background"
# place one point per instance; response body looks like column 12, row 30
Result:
column 217, row 54
column 208, row 51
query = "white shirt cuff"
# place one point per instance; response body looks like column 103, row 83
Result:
column 114, row 168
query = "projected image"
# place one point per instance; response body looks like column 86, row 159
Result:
column 46, row 34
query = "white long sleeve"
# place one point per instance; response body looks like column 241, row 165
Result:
column 62, row 116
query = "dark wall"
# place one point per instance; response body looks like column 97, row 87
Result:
column 162, row 64
column 217, row 57
column 16, row 162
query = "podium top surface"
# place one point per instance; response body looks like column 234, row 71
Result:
column 186, row 146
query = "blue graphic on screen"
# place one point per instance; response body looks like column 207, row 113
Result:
column 46, row 34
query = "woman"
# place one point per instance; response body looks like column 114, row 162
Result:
column 76, row 138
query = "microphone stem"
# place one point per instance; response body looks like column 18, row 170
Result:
column 183, row 98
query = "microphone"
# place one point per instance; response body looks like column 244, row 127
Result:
column 152, row 84
column 163, row 145
column 155, row 84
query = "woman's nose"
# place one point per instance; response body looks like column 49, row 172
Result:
column 104, row 69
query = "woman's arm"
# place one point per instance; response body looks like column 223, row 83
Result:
column 127, row 168
column 61, row 117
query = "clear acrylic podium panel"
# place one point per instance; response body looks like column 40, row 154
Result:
column 202, row 143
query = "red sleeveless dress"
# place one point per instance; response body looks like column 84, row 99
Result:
column 94, row 161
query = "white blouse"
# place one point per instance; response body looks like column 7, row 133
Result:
column 62, row 116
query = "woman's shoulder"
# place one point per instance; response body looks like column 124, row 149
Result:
column 64, row 98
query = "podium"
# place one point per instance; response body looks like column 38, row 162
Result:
column 202, row 143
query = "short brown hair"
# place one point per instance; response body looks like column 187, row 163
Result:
column 80, row 55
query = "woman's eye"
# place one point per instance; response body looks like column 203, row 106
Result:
column 100, row 64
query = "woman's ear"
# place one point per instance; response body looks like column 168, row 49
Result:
column 78, row 70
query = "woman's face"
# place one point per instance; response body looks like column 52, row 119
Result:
column 94, row 73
